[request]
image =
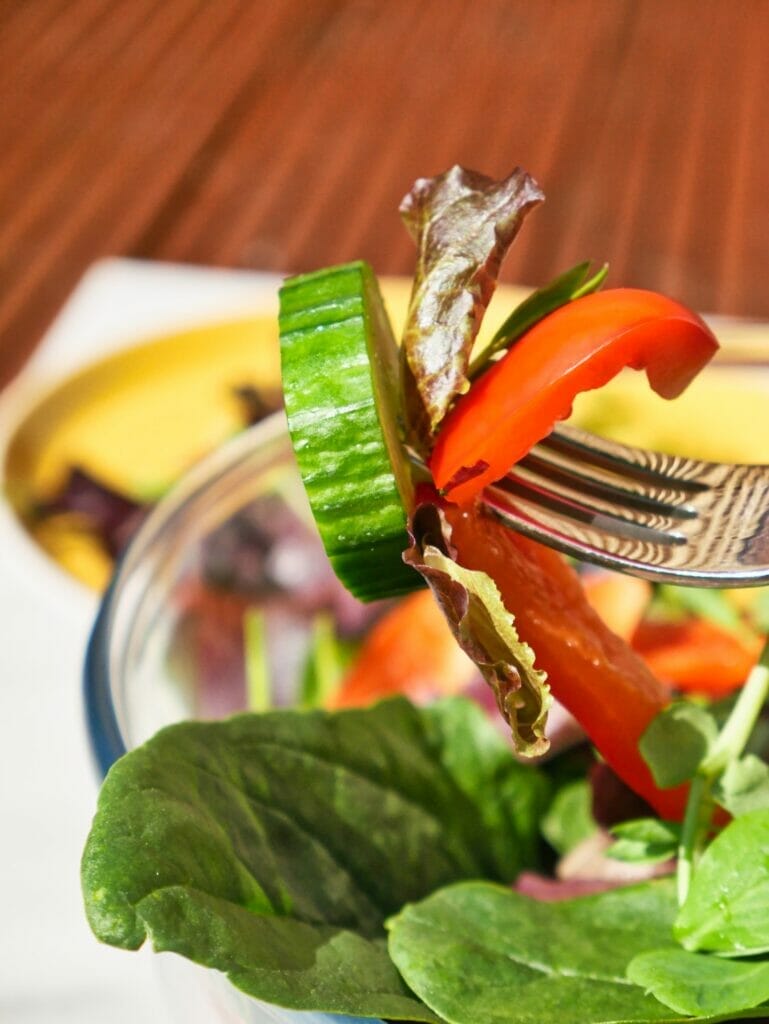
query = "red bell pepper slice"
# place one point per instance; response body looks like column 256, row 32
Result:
column 410, row 650
column 591, row 671
column 579, row 347
column 697, row 656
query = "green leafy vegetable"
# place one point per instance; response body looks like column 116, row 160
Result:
column 258, row 690
column 480, row 954
column 694, row 983
column 463, row 224
column 569, row 818
column 744, row 786
column 273, row 847
column 484, row 629
column 570, row 285
column 741, row 721
column 684, row 743
column 645, row 841
column 283, row 960
column 727, row 907
column 326, row 663
column 677, row 741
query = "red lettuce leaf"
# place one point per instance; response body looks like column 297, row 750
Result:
column 114, row 517
column 463, row 224
column 483, row 628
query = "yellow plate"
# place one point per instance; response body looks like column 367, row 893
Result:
column 136, row 421
column 723, row 416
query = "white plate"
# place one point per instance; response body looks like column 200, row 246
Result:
column 53, row 970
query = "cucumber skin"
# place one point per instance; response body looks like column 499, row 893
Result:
column 337, row 355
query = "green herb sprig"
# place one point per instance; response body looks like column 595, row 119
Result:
column 723, row 884
column 571, row 284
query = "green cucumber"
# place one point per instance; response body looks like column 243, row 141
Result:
column 339, row 363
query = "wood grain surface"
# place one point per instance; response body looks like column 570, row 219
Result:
column 280, row 135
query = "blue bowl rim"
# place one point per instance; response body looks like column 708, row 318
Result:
column 106, row 742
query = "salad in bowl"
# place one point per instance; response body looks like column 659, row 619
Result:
column 494, row 786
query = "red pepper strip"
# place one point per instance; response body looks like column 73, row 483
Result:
column 579, row 347
column 410, row 650
column 591, row 671
column 697, row 656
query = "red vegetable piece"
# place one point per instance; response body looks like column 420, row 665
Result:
column 411, row 651
column 579, row 347
column 591, row 671
column 697, row 656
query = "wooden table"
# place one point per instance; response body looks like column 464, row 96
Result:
column 280, row 135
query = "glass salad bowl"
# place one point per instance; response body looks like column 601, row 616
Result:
column 224, row 601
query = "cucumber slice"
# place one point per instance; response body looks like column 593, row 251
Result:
column 339, row 363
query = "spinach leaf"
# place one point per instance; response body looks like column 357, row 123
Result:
column 727, row 907
column 569, row 818
column 476, row 952
column 274, row 846
column 743, row 786
column 677, row 741
column 645, row 841
column 697, row 983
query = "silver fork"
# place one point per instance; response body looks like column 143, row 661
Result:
column 662, row 517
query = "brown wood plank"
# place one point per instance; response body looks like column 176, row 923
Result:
column 415, row 130
column 282, row 136
column 145, row 155
column 59, row 107
column 23, row 24
column 42, row 34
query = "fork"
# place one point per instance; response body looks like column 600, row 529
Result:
column 661, row 517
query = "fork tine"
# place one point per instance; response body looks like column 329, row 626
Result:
column 641, row 551
column 607, row 486
column 659, row 516
column 647, row 467
column 568, row 504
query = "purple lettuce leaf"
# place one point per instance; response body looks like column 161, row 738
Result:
column 112, row 516
column 463, row 224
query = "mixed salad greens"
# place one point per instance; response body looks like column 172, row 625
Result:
column 407, row 860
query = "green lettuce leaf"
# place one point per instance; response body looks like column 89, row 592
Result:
column 712, row 605
column 569, row 818
column 481, row 954
column 484, row 629
column 273, row 847
column 696, row 983
column 463, row 223
column 744, row 786
column 645, row 841
column 477, row 952
column 677, row 741
column 727, row 907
